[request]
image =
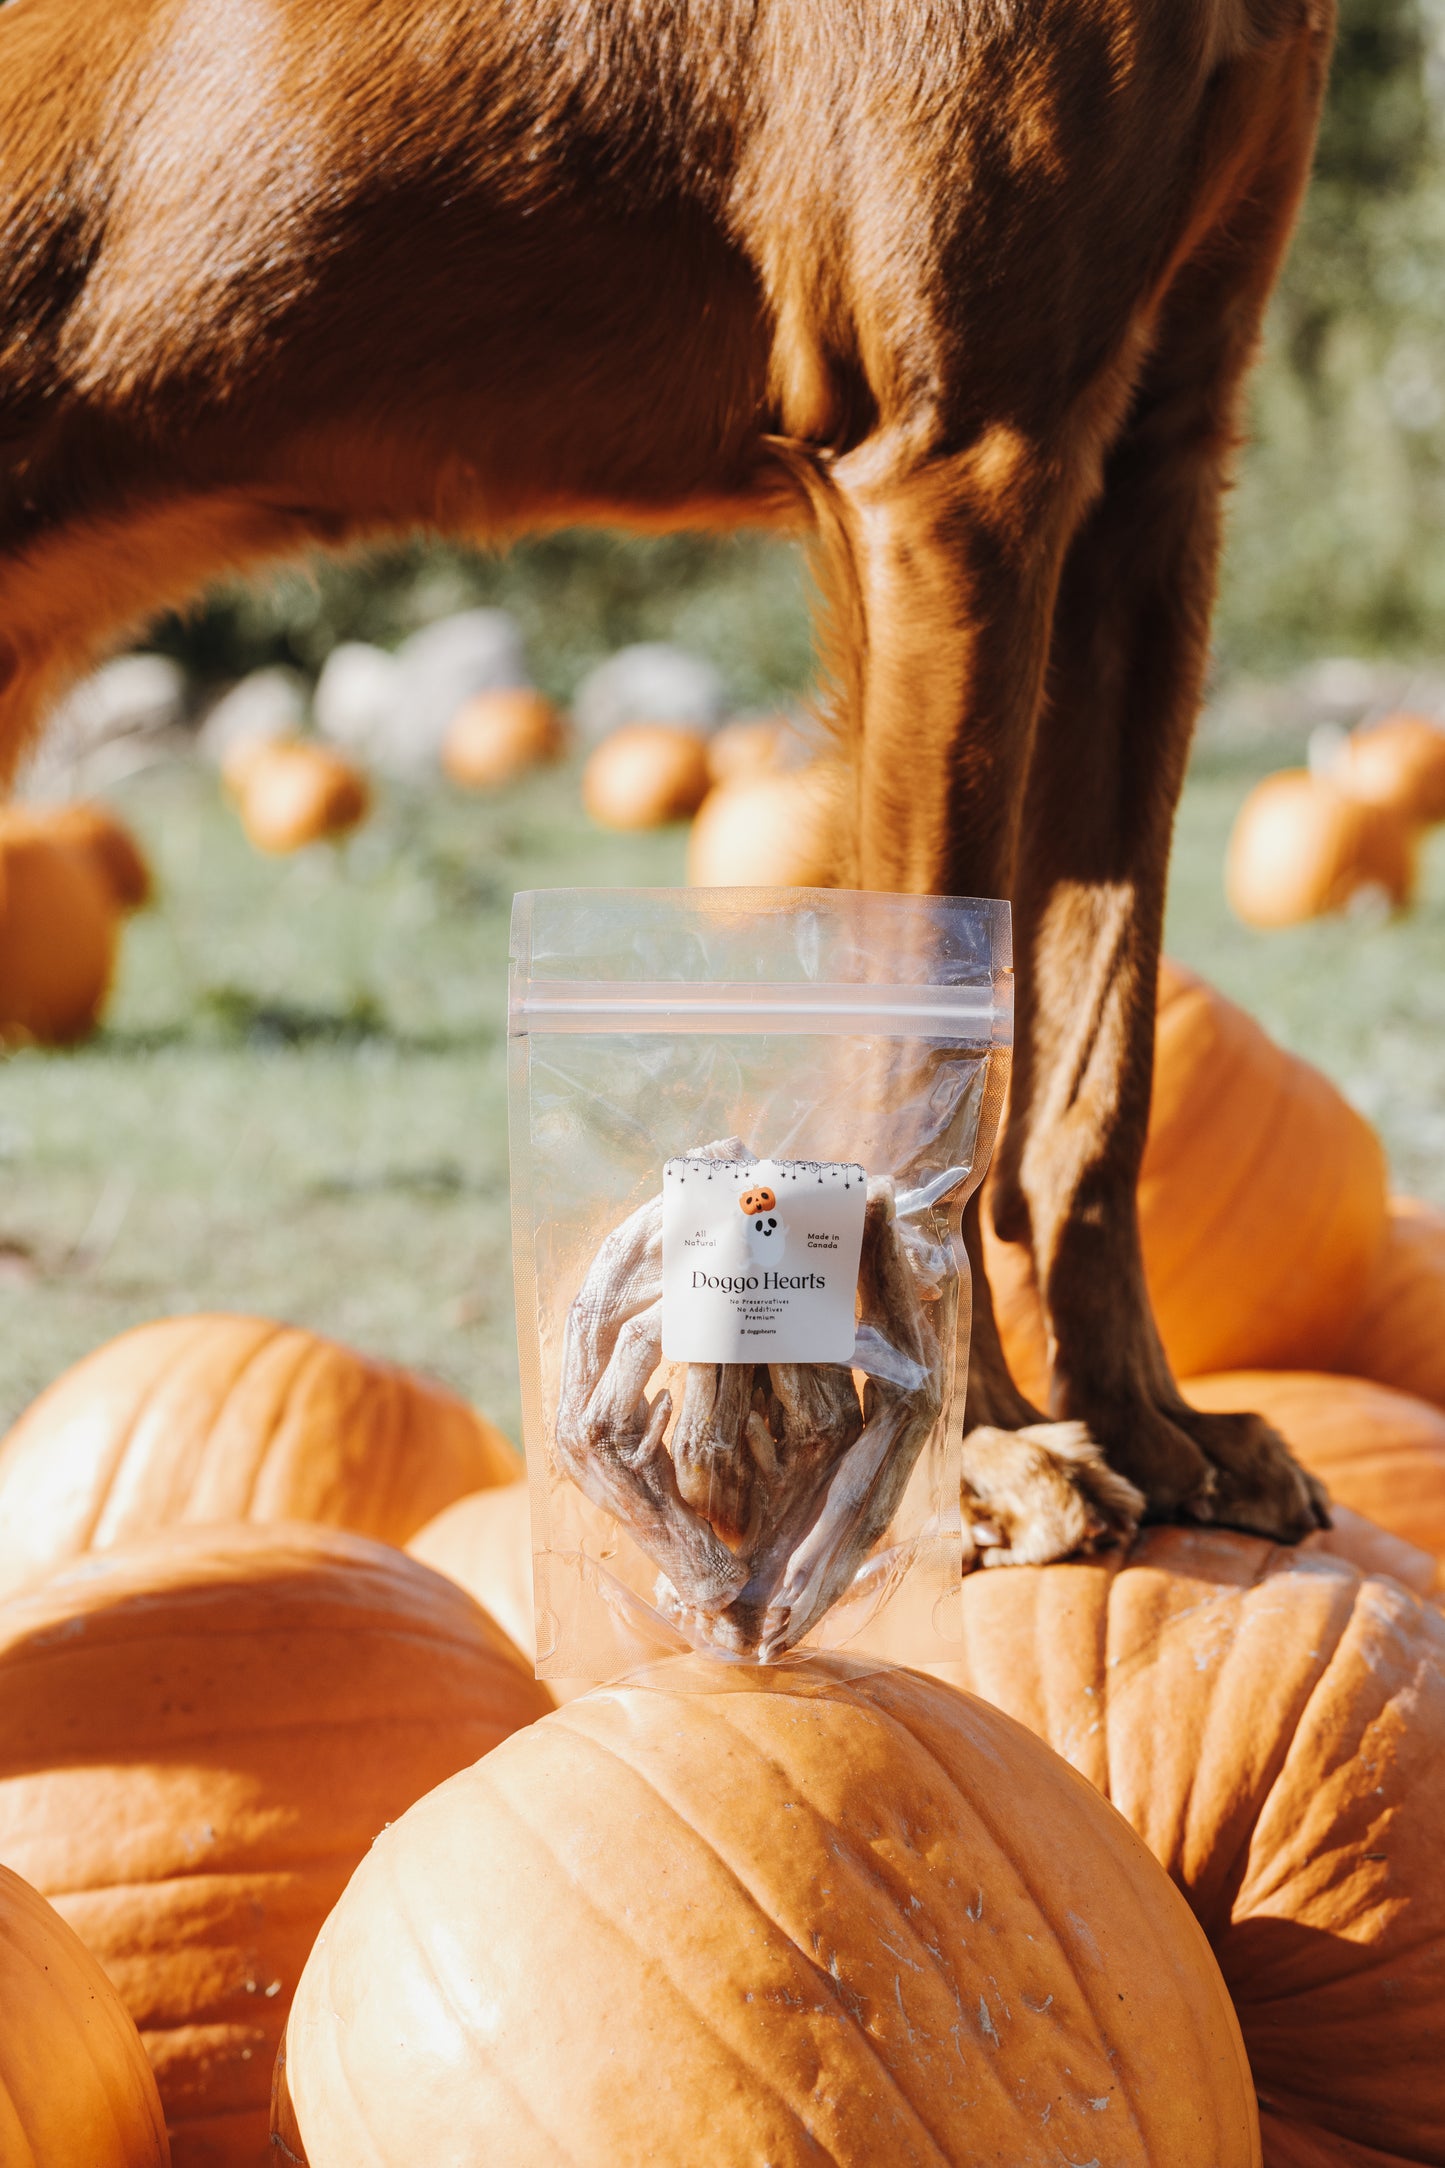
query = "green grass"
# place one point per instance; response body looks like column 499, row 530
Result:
column 297, row 1104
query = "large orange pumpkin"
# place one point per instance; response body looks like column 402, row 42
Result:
column 1398, row 1334
column 57, row 935
column 794, row 1916
column 1379, row 1451
column 1262, row 1198
column 76, row 2090
column 484, row 1543
column 1262, row 1202
column 770, row 831
column 644, row 775
column 1273, row 1725
column 1398, row 762
column 199, row 1738
column 1303, row 846
column 751, row 745
column 290, row 793
column 221, row 1418
column 1368, row 1547
column 496, row 736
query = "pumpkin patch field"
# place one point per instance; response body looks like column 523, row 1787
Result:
column 295, row 1105
column 299, row 1862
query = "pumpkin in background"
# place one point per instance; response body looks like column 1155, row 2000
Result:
column 644, row 775
column 750, row 1915
column 1376, row 1450
column 496, row 736
column 750, row 745
column 1273, row 1725
column 1398, row 1335
column 290, row 793
column 1303, row 846
column 1399, row 762
column 770, row 831
column 1262, row 1202
column 483, row 1542
column 104, row 841
column 57, row 935
column 76, row 2090
column 219, row 1418
column 199, row 1738
column 1262, row 1197
column 239, row 757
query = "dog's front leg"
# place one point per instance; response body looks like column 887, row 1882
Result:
column 1128, row 657
column 954, row 567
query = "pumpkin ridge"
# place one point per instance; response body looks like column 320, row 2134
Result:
column 253, row 1356
column 1230, row 1880
column 52, row 1639
column 843, row 1850
column 404, row 1414
column 1307, row 1721
column 80, row 2032
column 1305, row 2106
column 162, row 1380
column 1224, row 1205
column 1236, row 1868
column 207, row 1870
column 314, row 1357
column 875, row 1870
column 309, row 1725
column 423, row 1950
column 976, row 1806
column 810, row 1964
column 10, row 2133
column 1108, row 1566
column 138, row 1414
column 1322, row 1222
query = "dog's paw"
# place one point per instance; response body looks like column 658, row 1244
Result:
column 1042, row 1493
column 1258, row 1486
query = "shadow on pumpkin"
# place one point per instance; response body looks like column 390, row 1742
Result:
column 1343, row 2040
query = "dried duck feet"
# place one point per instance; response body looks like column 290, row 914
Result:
column 774, row 1483
column 610, row 1441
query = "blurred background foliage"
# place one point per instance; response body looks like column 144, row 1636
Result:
column 1337, row 542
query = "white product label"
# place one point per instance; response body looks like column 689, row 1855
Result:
column 760, row 1260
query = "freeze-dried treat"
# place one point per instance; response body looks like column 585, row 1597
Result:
column 609, row 1439
column 757, row 1488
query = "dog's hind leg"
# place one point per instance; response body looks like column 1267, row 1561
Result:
column 1126, row 670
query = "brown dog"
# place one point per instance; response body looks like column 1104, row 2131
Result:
column 972, row 282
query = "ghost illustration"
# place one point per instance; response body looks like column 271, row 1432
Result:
column 765, row 1235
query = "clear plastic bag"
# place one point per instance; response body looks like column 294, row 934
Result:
column 744, row 1124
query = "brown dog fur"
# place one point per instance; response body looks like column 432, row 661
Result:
column 967, row 285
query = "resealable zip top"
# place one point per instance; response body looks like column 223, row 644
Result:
column 977, row 1016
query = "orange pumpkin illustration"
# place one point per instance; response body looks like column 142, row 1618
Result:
column 757, row 1200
